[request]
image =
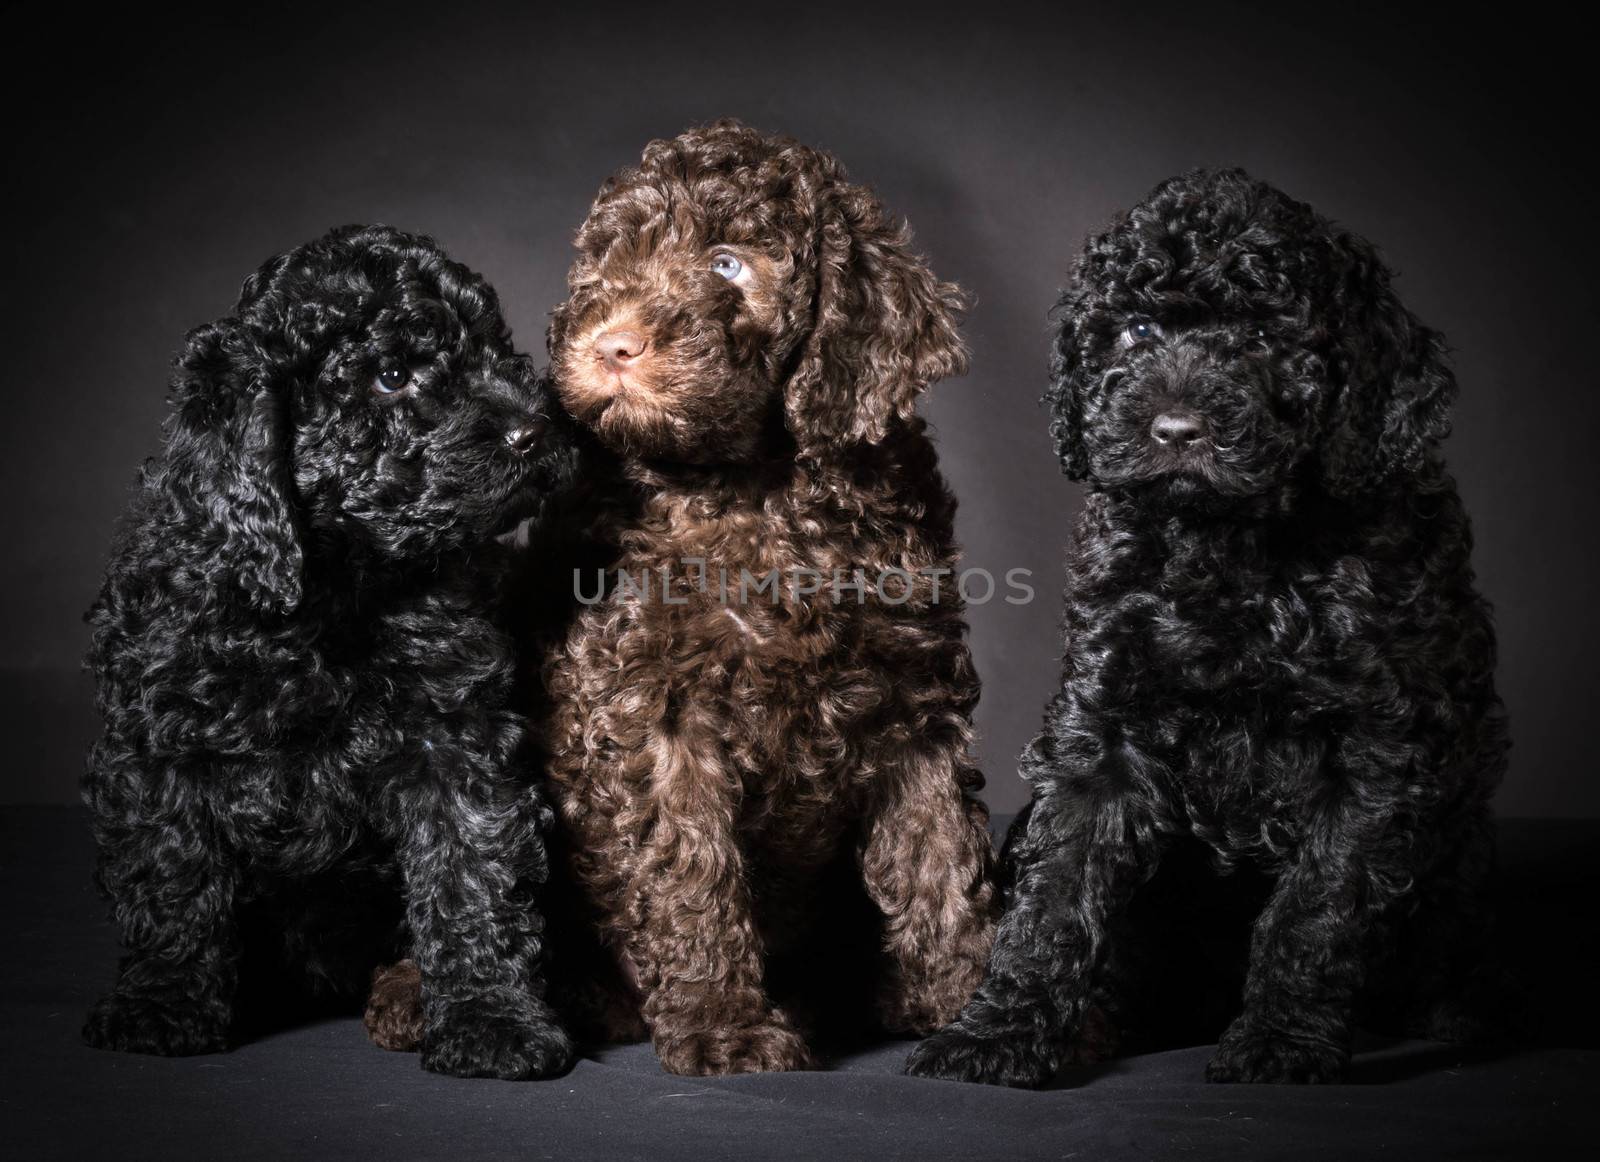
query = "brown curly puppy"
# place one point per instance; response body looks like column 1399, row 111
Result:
column 776, row 673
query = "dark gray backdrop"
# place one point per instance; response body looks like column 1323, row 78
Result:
column 158, row 163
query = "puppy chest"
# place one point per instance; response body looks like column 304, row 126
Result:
column 733, row 595
column 1249, row 643
column 1242, row 696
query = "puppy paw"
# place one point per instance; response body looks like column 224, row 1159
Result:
column 767, row 1046
column 513, row 1042
column 1000, row 1057
column 1252, row 1051
column 133, row 1023
column 394, row 1007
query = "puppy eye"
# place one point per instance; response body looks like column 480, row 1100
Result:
column 727, row 266
column 1140, row 331
column 391, row 380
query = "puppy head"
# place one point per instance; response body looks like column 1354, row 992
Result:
column 1222, row 341
column 363, row 401
column 734, row 295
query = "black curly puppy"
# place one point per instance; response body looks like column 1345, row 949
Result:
column 1274, row 645
column 310, row 750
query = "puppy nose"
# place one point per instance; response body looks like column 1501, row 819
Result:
column 1177, row 429
column 521, row 439
column 619, row 348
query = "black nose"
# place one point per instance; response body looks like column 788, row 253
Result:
column 522, row 439
column 1177, row 429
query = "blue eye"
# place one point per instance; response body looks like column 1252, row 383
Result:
column 726, row 265
column 1140, row 331
column 391, row 380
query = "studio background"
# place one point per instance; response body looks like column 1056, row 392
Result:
column 156, row 165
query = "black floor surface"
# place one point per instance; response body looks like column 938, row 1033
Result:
column 322, row 1091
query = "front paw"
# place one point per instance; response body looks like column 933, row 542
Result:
column 394, row 1007
column 136, row 1023
column 991, row 1057
column 763, row 1046
column 1253, row 1051
column 513, row 1042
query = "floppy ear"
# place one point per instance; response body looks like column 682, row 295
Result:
column 229, row 458
column 1065, row 393
column 1393, row 387
column 1072, row 354
column 885, row 329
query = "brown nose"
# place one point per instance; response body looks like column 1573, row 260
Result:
column 619, row 348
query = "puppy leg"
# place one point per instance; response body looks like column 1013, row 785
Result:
column 698, row 955
column 1307, row 954
column 172, row 894
column 928, row 866
column 475, row 942
column 1077, row 860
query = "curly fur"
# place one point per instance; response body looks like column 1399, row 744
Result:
column 1275, row 650
column 310, row 756
column 711, row 759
